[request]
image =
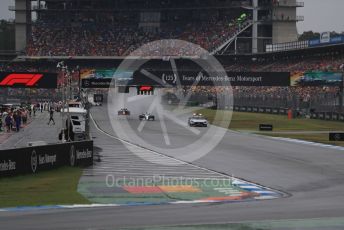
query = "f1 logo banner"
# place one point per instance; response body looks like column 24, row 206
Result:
column 28, row 80
column 17, row 78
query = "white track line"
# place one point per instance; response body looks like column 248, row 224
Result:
column 308, row 143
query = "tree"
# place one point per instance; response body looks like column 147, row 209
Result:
column 309, row 35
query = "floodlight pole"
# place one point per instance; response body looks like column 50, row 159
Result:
column 63, row 104
column 65, row 96
column 69, row 98
column 79, row 81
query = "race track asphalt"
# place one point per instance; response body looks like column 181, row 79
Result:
column 36, row 130
column 312, row 176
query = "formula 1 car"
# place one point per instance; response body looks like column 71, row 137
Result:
column 124, row 112
column 147, row 117
column 197, row 120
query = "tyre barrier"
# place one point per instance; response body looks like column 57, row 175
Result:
column 331, row 116
column 38, row 158
column 256, row 109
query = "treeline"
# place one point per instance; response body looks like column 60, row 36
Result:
column 309, row 35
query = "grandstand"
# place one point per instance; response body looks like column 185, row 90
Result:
column 244, row 35
column 115, row 28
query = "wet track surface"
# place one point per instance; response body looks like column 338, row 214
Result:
column 37, row 129
column 312, row 176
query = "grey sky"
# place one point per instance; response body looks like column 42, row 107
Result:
column 4, row 12
column 320, row 15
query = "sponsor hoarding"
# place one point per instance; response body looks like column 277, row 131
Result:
column 325, row 37
column 326, row 41
column 336, row 136
column 97, row 83
column 105, row 78
column 316, row 79
column 28, row 80
column 203, row 78
column 35, row 159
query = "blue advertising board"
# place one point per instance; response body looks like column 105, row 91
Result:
column 333, row 40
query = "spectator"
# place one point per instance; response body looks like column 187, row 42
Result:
column 9, row 122
column 51, row 116
column 17, row 119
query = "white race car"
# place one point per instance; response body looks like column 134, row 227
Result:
column 197, row 120
column 147, row 117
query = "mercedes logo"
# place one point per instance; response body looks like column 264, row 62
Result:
column 34, row 161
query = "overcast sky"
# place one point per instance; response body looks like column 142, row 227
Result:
column 320, row 15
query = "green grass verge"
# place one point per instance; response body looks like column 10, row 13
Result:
column 250, row 122
column 58, row 186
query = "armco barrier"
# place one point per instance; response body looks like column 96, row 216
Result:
column 38, row 158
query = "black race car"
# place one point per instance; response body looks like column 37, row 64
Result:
column 124, row 112
column 147, row 117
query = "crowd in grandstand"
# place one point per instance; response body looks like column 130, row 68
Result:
column 56, row 38
column 326, row 63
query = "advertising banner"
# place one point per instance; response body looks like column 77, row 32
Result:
column 336, row 137
column 28, row 80
column 97, row 83
column 316, row 79
column 203, row 78
column 105, row 73
column 326, row 40
column 325, row 37
column 105, row 78
column 34, row 159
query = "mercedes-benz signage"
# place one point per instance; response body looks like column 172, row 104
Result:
column 46, row 157
column 169, row 78
column 97, row 83
column 202, row 78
